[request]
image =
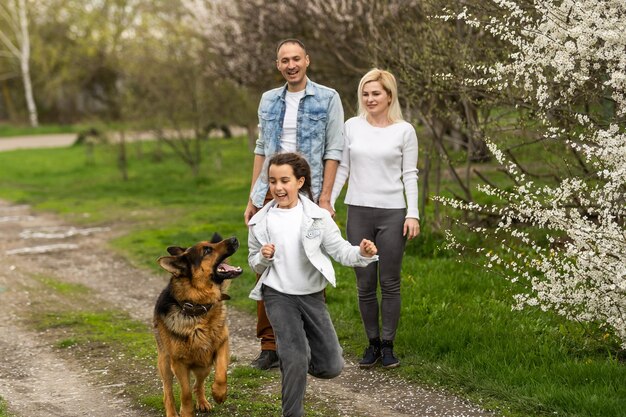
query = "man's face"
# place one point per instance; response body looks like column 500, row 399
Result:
column 292, row 63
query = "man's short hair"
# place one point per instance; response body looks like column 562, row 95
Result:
column 291, row 40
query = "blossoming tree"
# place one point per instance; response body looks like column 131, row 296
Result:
column 569, row 67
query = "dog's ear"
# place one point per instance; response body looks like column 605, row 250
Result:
column 225, row 297
column 175, row 250
column 217, row 238
column 177, row 265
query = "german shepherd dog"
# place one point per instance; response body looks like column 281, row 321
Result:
column 190, row 322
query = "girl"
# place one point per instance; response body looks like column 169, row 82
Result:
column 380, row 157
column 289, row 240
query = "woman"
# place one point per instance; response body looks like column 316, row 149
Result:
column 380, row 159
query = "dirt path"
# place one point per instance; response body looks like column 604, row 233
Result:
column 36, row 381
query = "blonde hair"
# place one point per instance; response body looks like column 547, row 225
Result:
column 388, row 81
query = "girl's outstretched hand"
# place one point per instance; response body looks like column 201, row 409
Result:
column 368, row 249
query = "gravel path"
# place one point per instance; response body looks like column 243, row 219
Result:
column 37, row 141
column 36, row 382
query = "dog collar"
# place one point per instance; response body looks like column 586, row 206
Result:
column 190, row 309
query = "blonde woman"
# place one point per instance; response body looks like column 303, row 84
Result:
column 380, row 163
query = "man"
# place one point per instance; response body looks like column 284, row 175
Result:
column 303, row 117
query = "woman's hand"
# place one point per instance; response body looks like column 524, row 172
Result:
column 411, row 228
column 367, row 248
column 268, row 250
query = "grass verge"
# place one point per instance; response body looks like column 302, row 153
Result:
column 14, row 130
column 457, row 329
column 4, row 412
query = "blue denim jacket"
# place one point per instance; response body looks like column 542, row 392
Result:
column 319, row 135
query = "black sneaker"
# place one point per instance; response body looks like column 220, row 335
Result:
column 371, row 354
column 267, row 359
column 389, row 359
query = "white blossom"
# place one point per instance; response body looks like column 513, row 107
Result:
column 562, row 49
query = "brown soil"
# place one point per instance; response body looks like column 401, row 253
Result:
column 37, row 379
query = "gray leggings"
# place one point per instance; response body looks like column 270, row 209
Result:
column 306, row 341
column 384, row 228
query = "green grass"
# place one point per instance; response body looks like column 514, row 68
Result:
column 457, row 328
column 66, row 288
column 106, row 327
column 17, row 130
column 10, row 130
column 4, row 412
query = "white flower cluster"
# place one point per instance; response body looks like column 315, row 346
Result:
column 563, row 49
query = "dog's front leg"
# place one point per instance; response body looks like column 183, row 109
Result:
column 186, row 401
column 167, row 377
column 218, row 389
column 201, row 374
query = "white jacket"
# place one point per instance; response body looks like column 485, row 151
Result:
column 320, row 237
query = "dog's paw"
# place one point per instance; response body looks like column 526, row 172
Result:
column 219, row 393
column 171, row 413
column 203, row 406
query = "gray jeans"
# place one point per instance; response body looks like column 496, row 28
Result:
column 306, row 341
column 384, row 228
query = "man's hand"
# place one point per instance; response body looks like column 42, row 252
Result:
column 325, row 204
column 251, row 210
column 330, row 171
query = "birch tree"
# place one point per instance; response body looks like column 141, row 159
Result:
column 15, row 39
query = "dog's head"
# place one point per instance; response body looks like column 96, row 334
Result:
column 204, row 260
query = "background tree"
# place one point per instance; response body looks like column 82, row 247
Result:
column 82, row 51
column 241, row 37
column 15, row 38
column 171, row 87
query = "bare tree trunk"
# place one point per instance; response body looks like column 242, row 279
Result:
column 25, row 64
column 470, row 142
column 252, row 133
column 437, row 210
column 122, row 160
column 138, row 146
column 8, row 102
column 157, row 154
column 426, row 186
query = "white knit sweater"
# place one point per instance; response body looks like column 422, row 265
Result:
column 381, row 163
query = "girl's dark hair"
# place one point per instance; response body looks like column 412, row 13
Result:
column 300, row 168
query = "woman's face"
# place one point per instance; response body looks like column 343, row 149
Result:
column 375, row 99
column 284, row 185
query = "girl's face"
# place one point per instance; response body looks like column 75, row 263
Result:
column 375, row 99
column 284, row 185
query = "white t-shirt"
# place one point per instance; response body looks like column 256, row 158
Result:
column 291, row 271
column 290, row 123
column 381, row 163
